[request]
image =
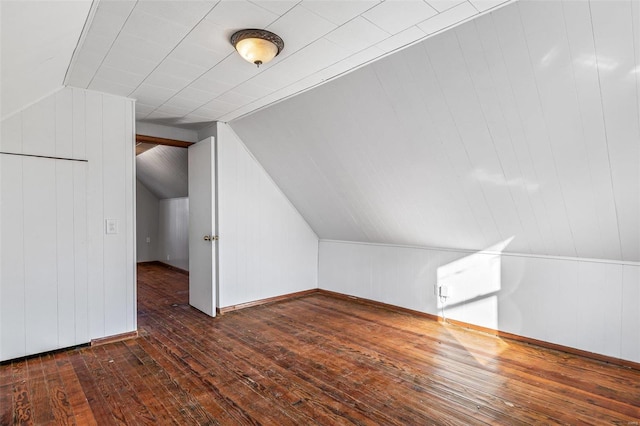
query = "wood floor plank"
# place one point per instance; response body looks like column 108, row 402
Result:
column 317, row 359
column 61, row 410
column 82, row 413
column 22, row 406
column 398, row 346
column 6, row 394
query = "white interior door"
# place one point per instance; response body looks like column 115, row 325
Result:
column 202, row 227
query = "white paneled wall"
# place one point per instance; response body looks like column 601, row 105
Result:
column 64, row 280
column 146, row 224
column 266, row 248
column 43, row 277
column 521, row 123
column 580, row 303
column 173, row 232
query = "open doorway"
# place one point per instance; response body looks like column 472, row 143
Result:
column 162, row 203
column 176, row 214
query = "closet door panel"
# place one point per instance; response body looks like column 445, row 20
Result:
column 40, row 248
column 43, row 254
column 12, row 326
column 65, row 253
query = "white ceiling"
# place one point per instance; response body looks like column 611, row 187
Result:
column 38, row 40
column 175, row 58
column 164, row 171
column 522, row 125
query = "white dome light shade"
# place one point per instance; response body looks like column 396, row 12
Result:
column 257, row 46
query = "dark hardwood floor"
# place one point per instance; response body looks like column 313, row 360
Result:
column 312, row 360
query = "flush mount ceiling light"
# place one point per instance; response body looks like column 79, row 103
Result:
column 257, row 46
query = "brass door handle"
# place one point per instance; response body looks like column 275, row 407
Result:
column 211, row 238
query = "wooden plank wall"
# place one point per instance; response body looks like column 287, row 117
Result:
column 63, row 280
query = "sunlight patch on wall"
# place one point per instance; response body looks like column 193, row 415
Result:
column 599, row 62
column 499, row 179
column 471, row 286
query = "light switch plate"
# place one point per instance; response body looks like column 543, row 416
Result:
column 111, row 226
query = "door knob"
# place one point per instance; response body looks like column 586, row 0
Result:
column 211, row 238
column 207, row 238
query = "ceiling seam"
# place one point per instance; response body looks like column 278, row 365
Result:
column 275, row 65
column 548, row 137
column 111, row 45
column 200, row 76
column 527, row 140
column 457, row 131
column 606, row 133
column 383, row 54
column 490, row 133
column 511, row 144
column 83, row 34
column 170, row 52
column 582, row 120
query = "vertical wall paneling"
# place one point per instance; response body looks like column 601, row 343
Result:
column 40, row 268
column 55, row 257
column 585, row 304
column 80, row 249
column 522, row 79
column 620, row 112
column 146, row 224
column 266, row 248
column 12, row 280
column 114, row 147
column 79, row 124
column 64, row 123
column 128, row 157
column 43, row 276
column 39, row 128
column 611, row 307
column 523, row 123
column 11, row 136
column 95, row 213
column 65, row 256
column 504, row 167
column 521, row 170
column 173, row 232
column 630, row 314
column 604, row 235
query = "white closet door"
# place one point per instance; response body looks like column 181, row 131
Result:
column 43, row 248
column 12, row 326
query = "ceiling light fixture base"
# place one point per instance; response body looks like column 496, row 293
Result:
column 257, row 46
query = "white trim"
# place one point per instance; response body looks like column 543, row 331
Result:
column 491, row 252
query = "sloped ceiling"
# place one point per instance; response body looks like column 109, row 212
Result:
column 163, row 170
column 174, row 57
column 38, row 39
column 521, row 126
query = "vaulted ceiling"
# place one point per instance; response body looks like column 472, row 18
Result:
column 412, row 123
column 175, row 58
column 522, row 125
column 163, row 170
column 38, row 39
